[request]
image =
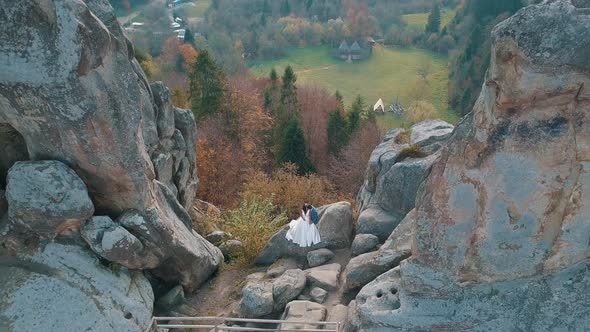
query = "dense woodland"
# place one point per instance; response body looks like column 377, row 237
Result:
column 258, row 134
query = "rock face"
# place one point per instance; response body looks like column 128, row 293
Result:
column 64, row 288
column 46, row 198
column 287, row 288
column 501, row 225
column 78, row 95
column 392, row 180
column 71, row 90
column 335, row 227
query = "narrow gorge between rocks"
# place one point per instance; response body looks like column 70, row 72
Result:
column 479, row 226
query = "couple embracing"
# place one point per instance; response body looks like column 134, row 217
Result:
column 303, row 230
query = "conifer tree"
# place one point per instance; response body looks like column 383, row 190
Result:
column 207, row 86
column 292, row 148
column 285, row 8
column 289, row 92
column 433, row 25
column 337, row 132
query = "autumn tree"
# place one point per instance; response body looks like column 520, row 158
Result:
column 207, row 86
column 316, row 103
column 347, row 170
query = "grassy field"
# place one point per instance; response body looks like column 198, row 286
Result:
column 387, row 74
column 419, row 20
column 195, row 9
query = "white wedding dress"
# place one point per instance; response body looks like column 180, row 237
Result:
column 303, row 233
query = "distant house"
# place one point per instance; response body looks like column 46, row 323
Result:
column 175, row 25
column 344, row 50
column 180, row 33
column 355, row 51
column 379, row 106
column 137, row 24
column 178, row 20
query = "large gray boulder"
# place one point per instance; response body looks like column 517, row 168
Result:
column 46, row 198
column 500, row 239
column 335, row 227
column 325, row 276
column 116, row 244
column 364, row 243
column 257, row 299
column 174, row 252
column 78, row 95
column 65, row 288
column 299, row 312
column 287, row 287
column 364, row 268
column 319, row 257
column 430, row 132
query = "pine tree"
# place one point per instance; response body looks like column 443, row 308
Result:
column 285, row 8
column 189, row 37
column 433, row 25
column 337, row 132
column 273, row 76
column 207, row 86
column 358, row 105
column 354, row 122
column 339, row 98
column 289, row 92
column 292, row 148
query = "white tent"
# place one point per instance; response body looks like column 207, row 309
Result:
column 379, row 106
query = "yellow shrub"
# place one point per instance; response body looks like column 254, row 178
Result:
column 420, row 111
column 290, row 191
column 253, row 223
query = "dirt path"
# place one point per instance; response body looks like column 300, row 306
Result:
column 215, row 298
column 314, row 69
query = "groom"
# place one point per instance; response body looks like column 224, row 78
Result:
column 314, row 216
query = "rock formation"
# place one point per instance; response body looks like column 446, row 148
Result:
column 501, row 226
column 396, row 169
column 94, row 138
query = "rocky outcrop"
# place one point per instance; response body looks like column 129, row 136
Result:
column 46, row 198
column 397, row 168
column 364, row 243
column 71, row 91
column 500, row 239
column 64, row 288
column 335, row 227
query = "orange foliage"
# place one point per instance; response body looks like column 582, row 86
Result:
column 348, row 171
column 316, row 104
column 171, row 50
column 189, row 54
column 231, row 145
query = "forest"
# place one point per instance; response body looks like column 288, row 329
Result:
column 265, row 139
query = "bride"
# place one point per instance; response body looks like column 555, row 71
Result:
column 303, row 231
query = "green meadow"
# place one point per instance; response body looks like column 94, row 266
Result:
column 390, row 73
column 194, row 9
column 419, row 20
